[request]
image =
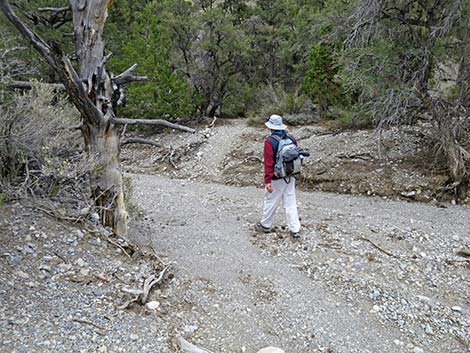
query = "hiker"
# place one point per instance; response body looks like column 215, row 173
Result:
column 278, row 188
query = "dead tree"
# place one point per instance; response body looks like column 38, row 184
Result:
column 95, row 93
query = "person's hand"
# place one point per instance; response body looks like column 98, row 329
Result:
column 269, row 187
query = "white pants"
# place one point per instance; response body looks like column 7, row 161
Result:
column 285, row 192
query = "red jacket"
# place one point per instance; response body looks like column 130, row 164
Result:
column 270, row 160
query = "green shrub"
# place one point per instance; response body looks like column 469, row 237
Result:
column 320, row 80
column 166, row 94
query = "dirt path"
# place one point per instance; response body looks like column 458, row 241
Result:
column 315, row 295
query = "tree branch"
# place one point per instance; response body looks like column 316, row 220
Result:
column 142, row 141
column 25, row 85
column 38, row 43
column 127, row 76
column 152, row 122
column 55, row 10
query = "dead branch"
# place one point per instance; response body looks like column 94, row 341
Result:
column 161, row 122
column 141, row 295
column 150, row 282
column 54, row 214
column 464, row 252
column 109, row 240
column 127, row 76
column 25, row 85
column 212, row 124
column 377, row 247
column 187, row 347
column 37, row 42
column 99, row 329
column 128, row 303
column 55, row 10
column 142, row 141
column 365, row 156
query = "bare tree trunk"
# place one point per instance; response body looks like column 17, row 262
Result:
column 101, row 140
column 92, row 92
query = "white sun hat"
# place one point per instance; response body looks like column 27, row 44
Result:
column 275, row 123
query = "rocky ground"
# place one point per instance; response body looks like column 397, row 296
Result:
column 369, row 274
column 62, row 286
column 397, row 164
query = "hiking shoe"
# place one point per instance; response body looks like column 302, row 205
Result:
column 262, row 229
column 295, row 235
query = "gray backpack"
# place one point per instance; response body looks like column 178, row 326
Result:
column 288, row 159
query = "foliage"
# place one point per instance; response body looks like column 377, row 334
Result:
column 320, row 82
column 166, row 95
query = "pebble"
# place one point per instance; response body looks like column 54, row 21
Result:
column 64, row 267
column 190, row 329
column 271, row 350
column 22, row 274
column 134, row 337
column 418, row 350
column 428, row 329
column 80, row 262
column 398, row 342
column 152, row 305
column 457, row 309
column 45, row 268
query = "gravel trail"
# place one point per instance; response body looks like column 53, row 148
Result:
column 249, row 290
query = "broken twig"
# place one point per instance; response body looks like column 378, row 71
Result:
column 377, row 247
column 99, row 329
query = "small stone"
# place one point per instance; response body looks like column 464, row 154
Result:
column 103, row 349
column 190, row 329
column 22, row 274
column 271, row 350
column 428, row 329
column 134, row 337
column 152, row 305
column 408, row 193
column 80, row 262
column 98, row 292
column 45, row 268
column 85, row 271
column 398, row 342
column 95, row 217
column 65, row 267
column 418, row 350
column 28, row 238
column 84, row 211
column 375, row 309
column 422, row 298
column 457, row 309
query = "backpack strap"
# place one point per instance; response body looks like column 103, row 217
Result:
column 275, row 143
